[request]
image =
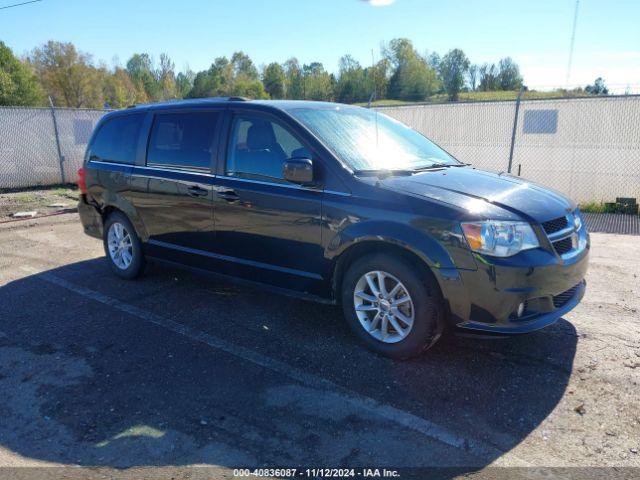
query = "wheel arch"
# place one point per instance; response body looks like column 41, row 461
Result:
column 116, row 203
column 368, row 246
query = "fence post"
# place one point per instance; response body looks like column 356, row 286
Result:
column 515, row 128
column 55, row 130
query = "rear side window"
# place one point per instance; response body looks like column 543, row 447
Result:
column 117, row 140
column 183, row 140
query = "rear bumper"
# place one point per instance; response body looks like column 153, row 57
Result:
column 90, row 218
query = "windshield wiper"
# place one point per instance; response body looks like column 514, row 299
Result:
column 383, row 172
column 435, row 166
column 390, row 172
column 431, row 167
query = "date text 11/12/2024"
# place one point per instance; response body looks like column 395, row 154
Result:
column 317, row 472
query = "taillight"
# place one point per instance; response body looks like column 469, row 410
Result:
column 82, row 184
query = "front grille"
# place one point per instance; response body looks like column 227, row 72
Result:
column 563, row 246
column 561, row 299
column 555, row 225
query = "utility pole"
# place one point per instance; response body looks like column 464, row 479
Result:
column 573, row 39
column 57, row 135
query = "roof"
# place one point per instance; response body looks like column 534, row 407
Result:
column 217, row 101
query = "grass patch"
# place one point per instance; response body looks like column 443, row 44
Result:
column 603, row 207
column 70, row 193
column 593, row 207
column 499, row 95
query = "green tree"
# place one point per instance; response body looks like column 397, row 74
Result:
column 598, row 87
column 243, row 67
column 509, row 77
column 18, row 84
column 184, row 82
column 452, row 68
column 488, row 77
column 228, row 78
column 274, row 80
column 214, row 82
column 118, row 89
column 377, row 79
column 166, row 78
column 412, row 78
column 140, row 69
column 352, row 85
column 67, row 75
column 317, row 83
column 294, row 82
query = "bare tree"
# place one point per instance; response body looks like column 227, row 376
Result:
column 472, row 75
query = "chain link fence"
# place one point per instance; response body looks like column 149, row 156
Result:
column 587, row 148
column 43, row 146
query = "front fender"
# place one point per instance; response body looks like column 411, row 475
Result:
column 424, row 245
column 418, row 242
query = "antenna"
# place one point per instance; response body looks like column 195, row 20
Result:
column 372, row 97
column 573, row 39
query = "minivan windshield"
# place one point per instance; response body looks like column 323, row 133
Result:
column 367, row 140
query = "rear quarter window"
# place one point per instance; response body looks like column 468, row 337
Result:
column 117, row 139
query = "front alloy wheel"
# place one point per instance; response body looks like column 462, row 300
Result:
column 383, row 306
column 394, row 305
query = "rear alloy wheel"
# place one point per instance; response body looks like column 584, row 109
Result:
column 122, row 246
column 394, row 307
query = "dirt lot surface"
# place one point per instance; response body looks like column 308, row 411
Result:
column 175, row 370
column 43, row 201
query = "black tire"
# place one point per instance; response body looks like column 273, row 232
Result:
column 135, row 268
column 425, row 295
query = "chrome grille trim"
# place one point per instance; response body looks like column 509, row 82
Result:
column 556, row 225
column 562, row 234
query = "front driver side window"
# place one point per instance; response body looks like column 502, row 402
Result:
column 259, row 148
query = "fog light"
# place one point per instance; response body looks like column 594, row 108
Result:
column 520, row 310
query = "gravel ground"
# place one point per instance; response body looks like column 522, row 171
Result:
column 175, row 370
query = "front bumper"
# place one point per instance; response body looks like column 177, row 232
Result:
column 532, row 322
column 487, row 299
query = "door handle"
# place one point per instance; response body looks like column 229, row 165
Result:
column 196, row 191
column 229, row 195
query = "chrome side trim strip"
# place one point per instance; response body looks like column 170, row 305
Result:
column 176, row 170
column 152, row 168
column 562, row 234
column 264, row 182
column 225, row 177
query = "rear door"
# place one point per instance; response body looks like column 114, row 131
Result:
column 176, row 208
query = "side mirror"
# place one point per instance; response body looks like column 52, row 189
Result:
column 299, row 170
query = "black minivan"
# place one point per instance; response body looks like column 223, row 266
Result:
column 335, row 203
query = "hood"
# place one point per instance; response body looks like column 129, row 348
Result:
column 485, row 194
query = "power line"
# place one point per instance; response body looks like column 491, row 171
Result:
column 573, row 39
column 19, row 4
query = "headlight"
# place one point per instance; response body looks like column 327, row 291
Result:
column 577, row 220
column 499, row 239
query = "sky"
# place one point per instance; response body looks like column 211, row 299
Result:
column 536, row 33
